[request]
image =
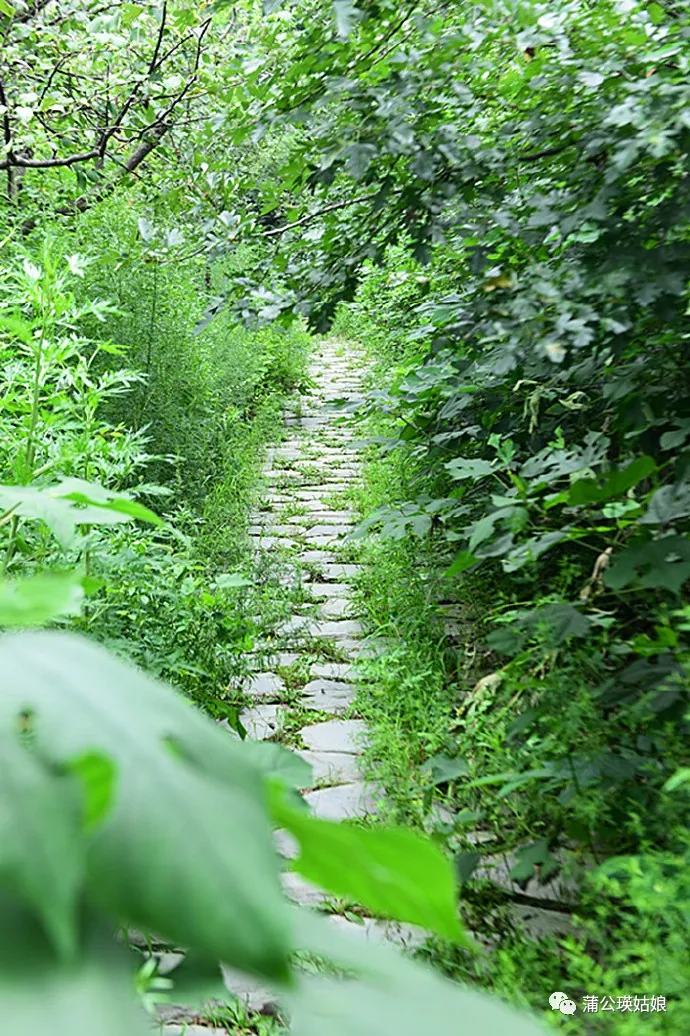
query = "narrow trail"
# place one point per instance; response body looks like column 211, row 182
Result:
column 303, row 520
column 304, row 517
column 303, row 685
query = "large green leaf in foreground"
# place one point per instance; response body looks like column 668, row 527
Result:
column 388, row 994
column 41, row 849
column 394, row 872
column 39, row 996
column 183, row 851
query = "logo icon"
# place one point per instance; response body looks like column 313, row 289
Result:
column 562, row 1002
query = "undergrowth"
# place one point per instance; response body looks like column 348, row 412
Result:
column 512, row 758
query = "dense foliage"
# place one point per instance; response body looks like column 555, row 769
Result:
column 494, row 198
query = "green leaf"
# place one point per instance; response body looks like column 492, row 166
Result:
column 38, row 600
column 460, row 468
column 40, row 994
column 6, row 9
column 465, row 864
column 492, row 778
column 506, row 640
column 359, row 158
column 169, row 856
column 462, row 562
column 442, row 768
column 71, row 503
column 678, row 779
column 111, row 502
column 229, row 580
column 391, row 995
column 280, row 763
column 564, row 620
column 668, row 505
column 97, row 776
column 587, row 491
column 657, row 564
column 41, row 848
column 532, row 856
column 394, row 872
column 197, row 980
column 532, row 549
column 344, row 12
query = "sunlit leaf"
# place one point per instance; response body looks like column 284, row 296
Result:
column 394, row 872
column 39, row 599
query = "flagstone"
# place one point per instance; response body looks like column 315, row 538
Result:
column 264, row 685
column 262, row 722
column 332, row 670
column 334, row 590
column 336, row 735
column 343, row 801
column 332, row 767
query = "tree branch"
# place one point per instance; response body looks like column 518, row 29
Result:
column 32, row 11
column 159, row 39
column 7, row 133
column 319, row 212
column 47, row 163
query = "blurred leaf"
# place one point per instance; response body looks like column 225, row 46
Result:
column 39, row 599
column 657, row 564
column 678, row 779
column 345, row 13
column 93, row 995
column 97, row 776
column 465, row 864
column 668, row 505
column 41, row 847
column 442, row 768
column 391, row 994
column 229, row 580
column 462, row 562
column 167, row 856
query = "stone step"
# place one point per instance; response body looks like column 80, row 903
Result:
column 344, row 801
column 337, row 735
column 262, row 722
column 333, row 670
column 332, row 767
column 328, row 695
column 332, row 591
column 264, row 685
column 337, row 608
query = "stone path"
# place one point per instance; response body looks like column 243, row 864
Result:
column 303, row 684
column 303, row 520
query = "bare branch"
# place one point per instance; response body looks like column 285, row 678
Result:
column 15, row 161
column 319, row 212
column 7, row 132
column 159, row 39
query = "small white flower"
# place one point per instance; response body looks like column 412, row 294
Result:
column 555, row 352
column 31, row 271
column 76, row 264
